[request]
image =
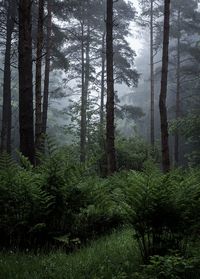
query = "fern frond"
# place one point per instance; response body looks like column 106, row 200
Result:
column 7, row 162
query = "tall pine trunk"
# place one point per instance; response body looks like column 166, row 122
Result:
column 110, row 106
column 163, row 91
column 103, row 58
column 87, row 82
column 83, row 101
column 25, row 80
column 7, row 107
column 152, row 125
column 38, row 76
column 176, row 143
column 47, row 68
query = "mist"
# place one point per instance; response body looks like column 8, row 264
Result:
column 99, row 139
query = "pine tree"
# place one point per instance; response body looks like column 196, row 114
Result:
column 25, row 80
column 110, row 105
column 7, row 107
column 163, row 90
column 38, row 75
column 47, row 66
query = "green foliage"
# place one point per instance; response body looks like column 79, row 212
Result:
column 113, row 256
column 62, row 203
column 163, row 209
column 59, row 198
column 132, row 153
column 23, row 205
column 171, row 267
column 189, row 127
column 128, row 112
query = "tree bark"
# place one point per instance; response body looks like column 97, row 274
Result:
column 110, row 106
column 25, row 81
column 7, row 107
column 87, row 82
column 38, row 76
column 83, row 101
column 47, row 68
column 176, row 143
column 163, row 91
column 103, row 58
column 152, row 125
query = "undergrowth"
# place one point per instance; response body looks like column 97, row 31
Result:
column 115, row 256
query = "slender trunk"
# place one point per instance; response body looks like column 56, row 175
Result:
column 110, row 106
column 87, row 81
column 103, row 58
column 25, row 80
column 83, row 101
column 38, row 76
column 47, row 68
column 176, row 143
column 163, row 91
column 152, row 77
column 7, row 108
column 87, row 63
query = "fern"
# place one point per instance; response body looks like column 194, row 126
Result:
column 7, row 162
column 24, row 161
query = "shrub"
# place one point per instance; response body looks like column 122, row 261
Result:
column 171, row 267
column 23, row 205
column 163, row 209
column 133, row 153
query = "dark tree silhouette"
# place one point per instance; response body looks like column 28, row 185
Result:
column 110, row 106
column 47, row 67
column 38, row 75
column 163, row 91
column 25, row 80
column 152, row 125
column 7, row 108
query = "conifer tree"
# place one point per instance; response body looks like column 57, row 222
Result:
column 110, row 105
column 163, row 90
column 25, row 80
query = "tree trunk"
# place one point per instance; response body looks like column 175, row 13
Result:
column 7, row 108
column 110, row 106
column 152, row 77
column 87, row 81
column 47, row 68
column 103, row 58
column 176, row 143
column 25, row 80
column 163, row 91
column 38, row 76
column 83, row 102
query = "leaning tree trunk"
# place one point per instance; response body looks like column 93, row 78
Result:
column 110, row 106
column 176, row 143
column 38, row 76
column 163, row 91
column 7, row 107
column 25, row 80
column 47, row 68
column 152, row 127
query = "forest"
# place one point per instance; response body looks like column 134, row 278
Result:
column 99, row 139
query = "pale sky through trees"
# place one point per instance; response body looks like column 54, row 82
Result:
column 136, row 38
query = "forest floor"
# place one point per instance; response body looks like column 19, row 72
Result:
column 111, row 257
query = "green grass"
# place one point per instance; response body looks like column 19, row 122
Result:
column 112, row 257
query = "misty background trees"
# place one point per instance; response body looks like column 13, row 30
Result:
column 67, row 76
column 99, row 124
